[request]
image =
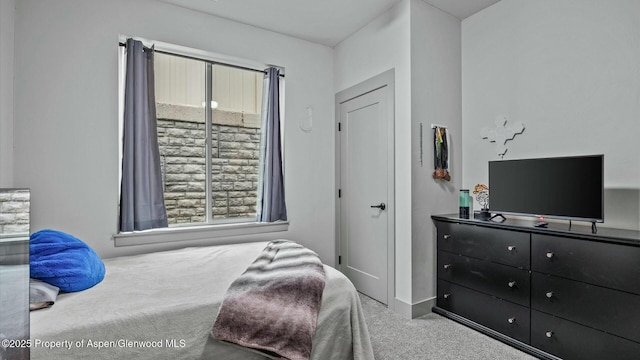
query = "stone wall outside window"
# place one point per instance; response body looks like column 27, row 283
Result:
column 235, row 154
column 14, row 211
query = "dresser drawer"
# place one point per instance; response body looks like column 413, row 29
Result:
column 611, row 265
column 571, row 341
column 495, row 245
column 502, row 316
column 503, row 281
column 613, row 311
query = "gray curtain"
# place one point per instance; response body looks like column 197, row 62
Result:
column 271, row 204
column 141, row 196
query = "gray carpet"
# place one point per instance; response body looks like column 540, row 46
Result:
column 429, row 337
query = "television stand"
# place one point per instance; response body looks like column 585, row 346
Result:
column 536, row 288
column 498, row 216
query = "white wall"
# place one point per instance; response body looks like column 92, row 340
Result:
column 7, row 17
column 422, row 44
column 66, row 101
column 435, row 99
column 570, row 71
column 381, row 45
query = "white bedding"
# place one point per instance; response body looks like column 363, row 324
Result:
column 172, row 298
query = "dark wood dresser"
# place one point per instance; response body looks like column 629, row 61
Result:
column 555, row 292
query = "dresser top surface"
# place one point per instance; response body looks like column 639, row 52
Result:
column 561, row 228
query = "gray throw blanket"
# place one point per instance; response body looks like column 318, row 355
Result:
column 273, row 306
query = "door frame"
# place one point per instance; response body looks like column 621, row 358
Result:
column 385, row 79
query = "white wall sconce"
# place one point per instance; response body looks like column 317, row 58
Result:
column 306, row 122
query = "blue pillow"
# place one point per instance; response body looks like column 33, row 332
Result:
column 64, row 261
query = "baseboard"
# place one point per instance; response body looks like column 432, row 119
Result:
column 418, row 309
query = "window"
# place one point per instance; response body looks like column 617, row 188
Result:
column 208, row 129
column 234, row 111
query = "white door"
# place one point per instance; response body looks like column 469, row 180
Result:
column 363, row 187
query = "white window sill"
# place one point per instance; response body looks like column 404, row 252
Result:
column 199, row 232
column 14, row 237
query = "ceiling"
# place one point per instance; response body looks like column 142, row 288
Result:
column 325, row 22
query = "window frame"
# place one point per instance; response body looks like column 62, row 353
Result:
column 211, row 228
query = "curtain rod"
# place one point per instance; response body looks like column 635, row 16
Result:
column 204, row 60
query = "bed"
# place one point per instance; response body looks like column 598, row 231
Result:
column 163, row 305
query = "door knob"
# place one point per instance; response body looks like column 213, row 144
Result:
column 382, row 206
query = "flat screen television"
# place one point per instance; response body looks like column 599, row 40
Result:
column 561, row 187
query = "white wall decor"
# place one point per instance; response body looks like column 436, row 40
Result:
column 502, row 133
column 306, row 123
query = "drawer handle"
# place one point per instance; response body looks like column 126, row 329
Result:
column 549, row 334
column 512, row 284
column 446, row 236
column 446, row 266
column 446, row 296
column 549, row 294
column 511, row 320
column 549, row 255
column 511, row 247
